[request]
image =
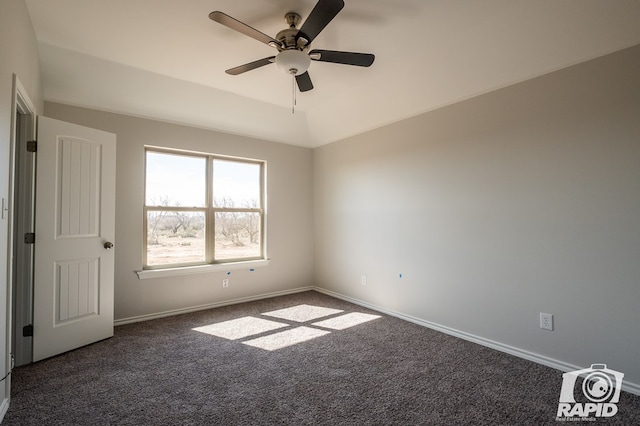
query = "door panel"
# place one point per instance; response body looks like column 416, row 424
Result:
column 78, row 207
column 76, row 290
column 75, row 217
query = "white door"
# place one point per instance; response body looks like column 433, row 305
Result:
column 75, row 227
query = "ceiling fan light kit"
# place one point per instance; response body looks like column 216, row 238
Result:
column 294, row 56
column 294, row 62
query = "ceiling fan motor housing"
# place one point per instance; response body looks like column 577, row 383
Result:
column 287, row 38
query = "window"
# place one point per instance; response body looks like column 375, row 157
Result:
column 202, row 209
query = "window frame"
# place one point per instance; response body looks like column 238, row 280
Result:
column 209, row 211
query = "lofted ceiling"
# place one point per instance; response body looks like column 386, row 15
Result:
column 165, row 59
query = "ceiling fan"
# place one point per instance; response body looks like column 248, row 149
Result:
column 293, row 44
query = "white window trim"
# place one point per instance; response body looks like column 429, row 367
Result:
column 145, row 274
column 178, row 270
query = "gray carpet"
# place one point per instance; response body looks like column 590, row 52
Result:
column 381, row 372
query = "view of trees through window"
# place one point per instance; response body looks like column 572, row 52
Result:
column 202, row 209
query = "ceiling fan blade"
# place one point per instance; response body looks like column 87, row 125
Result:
column 320, row 16
column 347, row 58
column 251, row 66
column 234, row 24
column 304, row 82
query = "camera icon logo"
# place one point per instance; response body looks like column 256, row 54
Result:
column 601, row 386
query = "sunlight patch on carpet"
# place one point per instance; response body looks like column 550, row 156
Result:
column 268, row 334
column 302, row 313
column 286, row 338
column 345, row 321
column 239, row 328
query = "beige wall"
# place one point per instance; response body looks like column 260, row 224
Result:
column 19, row 56
column 289, row 214
column 516, row 202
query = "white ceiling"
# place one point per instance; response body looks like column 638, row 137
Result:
column 165, row 59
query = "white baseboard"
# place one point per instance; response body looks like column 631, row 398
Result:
column 164, row 314
column 630, row 387
column 4, row 407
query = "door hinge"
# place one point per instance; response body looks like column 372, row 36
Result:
column 27, row 330
column 32, row 146
column 29, row 238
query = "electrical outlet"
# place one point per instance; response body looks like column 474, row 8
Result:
column 225, row 283
column 546, row 321
column 363, row 280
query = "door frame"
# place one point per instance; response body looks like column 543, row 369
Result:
column 22, row 109
column 22, row 217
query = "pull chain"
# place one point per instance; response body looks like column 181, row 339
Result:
column 293, row 93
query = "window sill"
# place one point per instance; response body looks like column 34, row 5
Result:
column 200, row 269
